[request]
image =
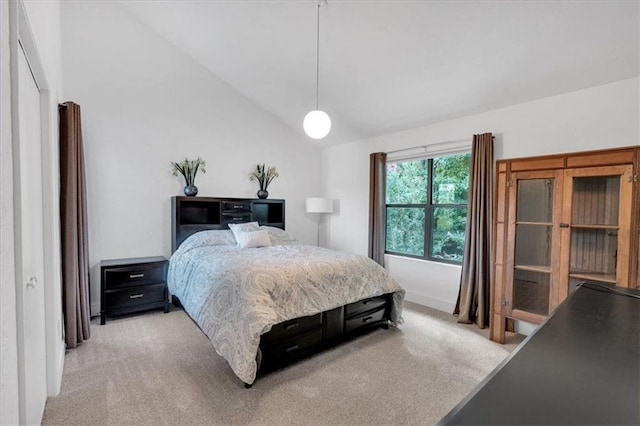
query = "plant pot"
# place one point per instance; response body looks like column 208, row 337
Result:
column 190, row 190
column 263, row 193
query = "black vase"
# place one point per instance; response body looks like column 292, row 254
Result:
column 190, row 190
column 263, row 193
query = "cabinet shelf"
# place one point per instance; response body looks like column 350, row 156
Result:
column 614, row 227
column 594, row 276
column 534, row 223
column 534, row 268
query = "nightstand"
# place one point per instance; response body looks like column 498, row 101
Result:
column 133, row 285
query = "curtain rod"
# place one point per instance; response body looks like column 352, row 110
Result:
column 430, row 145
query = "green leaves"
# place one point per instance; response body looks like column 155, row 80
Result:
column 189, row 169
column 263, row 175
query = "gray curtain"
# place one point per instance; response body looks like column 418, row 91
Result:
column 473, row 297
column 73, row 220
column 377, row 209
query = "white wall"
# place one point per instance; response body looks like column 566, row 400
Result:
column 146, row 103
column 594, row 118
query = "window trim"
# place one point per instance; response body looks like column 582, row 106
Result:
column 429, row 208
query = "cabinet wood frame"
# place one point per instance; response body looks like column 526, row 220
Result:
column 624, row 162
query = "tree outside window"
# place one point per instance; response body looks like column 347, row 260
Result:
column 426, row 203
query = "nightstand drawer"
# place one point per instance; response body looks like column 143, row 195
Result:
column 135, row 296
column 292, row 327
column 365, row 305
column 134, row 275
column 132, row 285
column 364, row 320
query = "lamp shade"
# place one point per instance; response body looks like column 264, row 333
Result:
column 317, row 124
column 319, row 205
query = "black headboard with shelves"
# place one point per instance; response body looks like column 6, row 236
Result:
column 194, row 214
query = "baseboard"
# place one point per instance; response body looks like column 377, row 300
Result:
column 431, row 302
column 525, row 328
column 58, row 384
column 95, row 309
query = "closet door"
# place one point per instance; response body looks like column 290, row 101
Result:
column 30, row 288
column 596, row 225
column 534, row 244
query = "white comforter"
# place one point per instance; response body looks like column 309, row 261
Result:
column 237, row 294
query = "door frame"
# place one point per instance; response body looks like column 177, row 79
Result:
column 21, row 38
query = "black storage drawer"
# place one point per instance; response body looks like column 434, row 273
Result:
column 365, row 305
column 287, row 349
column 364, row 320
column 134, row 296
column 134, row 275
column 132, row 285
column 236, row 217
column 235, row 206
column 292, row 327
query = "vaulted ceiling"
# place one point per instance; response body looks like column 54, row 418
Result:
column 391, row 65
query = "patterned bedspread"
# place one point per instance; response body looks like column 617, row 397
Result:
column 237, row 294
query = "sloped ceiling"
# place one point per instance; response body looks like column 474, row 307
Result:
column 392, row 65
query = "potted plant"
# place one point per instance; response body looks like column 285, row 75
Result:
column 264, row 176
column 189, row 169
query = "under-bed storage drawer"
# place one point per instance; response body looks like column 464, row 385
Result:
column 365, row 305
column 293, row 327
column 364, row 320
column 285, row 350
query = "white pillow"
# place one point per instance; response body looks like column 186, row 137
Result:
column 278, row 236
column 253, row 239
column 242, row 227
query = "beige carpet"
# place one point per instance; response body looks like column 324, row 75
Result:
column 159, row 368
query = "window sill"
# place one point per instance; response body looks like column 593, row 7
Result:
column 415, row 259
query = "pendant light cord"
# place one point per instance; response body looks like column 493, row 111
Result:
column 318, row 57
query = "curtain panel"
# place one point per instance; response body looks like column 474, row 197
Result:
column 377, row 205
column 475, row 281
column 73, row 221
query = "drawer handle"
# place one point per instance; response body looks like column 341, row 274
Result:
column 366, row 302
column 136, row 296
column 136, row 275
column 367, row 319
column 291, row 348
column 237, row 207
column 290, row 326
column 238, row 218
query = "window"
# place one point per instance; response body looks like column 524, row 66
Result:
column 426, row 204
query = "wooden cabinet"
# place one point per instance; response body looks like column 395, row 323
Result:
column 133, row 285
column 561, row 220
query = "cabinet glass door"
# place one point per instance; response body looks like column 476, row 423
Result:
column 532, row 228
column 598, row 227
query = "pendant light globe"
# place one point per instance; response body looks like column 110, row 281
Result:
column 317, row 124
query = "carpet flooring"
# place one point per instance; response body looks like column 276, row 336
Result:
column 157, row 368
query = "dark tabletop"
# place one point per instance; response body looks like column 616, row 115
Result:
column 581, row 367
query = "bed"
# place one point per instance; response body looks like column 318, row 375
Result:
column 264, row 305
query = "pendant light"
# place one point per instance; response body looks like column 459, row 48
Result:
column 317, row 124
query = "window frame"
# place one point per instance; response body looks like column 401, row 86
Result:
column 428, row 208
